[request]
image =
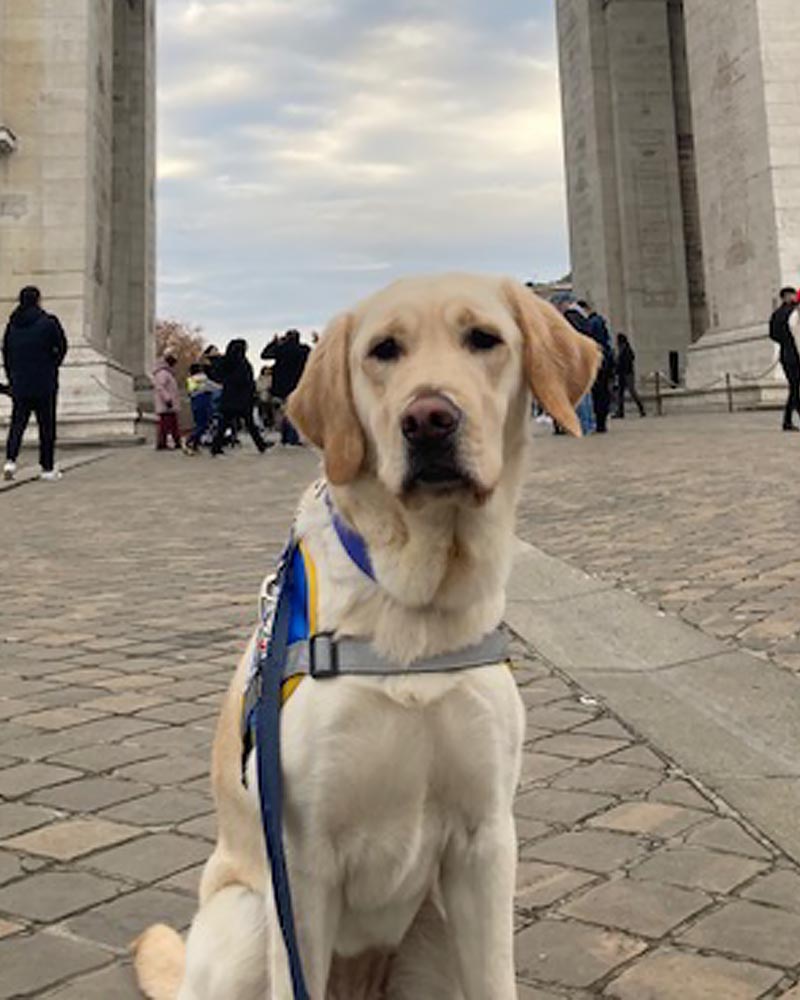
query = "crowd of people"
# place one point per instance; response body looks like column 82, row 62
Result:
column 225, row 396
column 616, row 376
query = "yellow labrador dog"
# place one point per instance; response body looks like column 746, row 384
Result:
column 398, row 789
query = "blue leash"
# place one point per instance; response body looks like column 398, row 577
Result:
column 270, row 777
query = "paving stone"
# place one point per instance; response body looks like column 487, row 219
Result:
column 530, row 829
column 534, row 993
column 727, row 835
column 105, row 757
column 580, row 747
column 165, row 770
column 204, row 827
column 780, row 888
column 177, row 713
column 151, row 858
column 558, row 806
column 90, row 794
column 753, row 931
column 51, row 895
column 24, row 778
column 31, row 964
column 680, row 793
column 697, row 867
column 615, row 779
column 540, row 766
column 58, row 718
column 73, row 838
column 571, row 954
column 7, row 928
column 646, row 909
column 591, row 850
column 11, row 867
column 16, row 817
column 187, row 881
column 655, row 819
column 115, row 983
column 164, row 807
column 674, row 975
column 120, row 921
column 124, row 704
column 639, row 756
column 542, row 885
column 14, row 708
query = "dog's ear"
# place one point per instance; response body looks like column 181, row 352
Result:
column 322, row 404
column 561, row 364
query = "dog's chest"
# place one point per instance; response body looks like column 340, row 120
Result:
column 383, row 776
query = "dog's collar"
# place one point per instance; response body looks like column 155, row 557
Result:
column 353, row 543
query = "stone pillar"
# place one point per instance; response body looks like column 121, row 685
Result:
column 745, row 82
column 624, row 184
column 57, row 222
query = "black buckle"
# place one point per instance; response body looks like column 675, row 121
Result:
column 323, row 656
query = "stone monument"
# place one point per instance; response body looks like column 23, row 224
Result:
column 77, row 209
column 682, row 144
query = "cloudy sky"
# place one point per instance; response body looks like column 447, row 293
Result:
column 312, row 150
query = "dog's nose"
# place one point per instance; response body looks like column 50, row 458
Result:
column 430, row 418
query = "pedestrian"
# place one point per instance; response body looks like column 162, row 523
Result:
column 568, row 306
column 238, row 397
column 266, row 407
column 200, row 390
column 626, row 376
column 290, row 356
column 34, row 347
column 601, row 389
column 780, row 331
column 167, row 402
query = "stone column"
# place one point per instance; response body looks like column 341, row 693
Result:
column 624, row 185
column 57, row 80
column 745, row 84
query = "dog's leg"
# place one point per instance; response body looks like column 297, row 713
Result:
column 478, row 891
column 226, row 952
column 317, row 907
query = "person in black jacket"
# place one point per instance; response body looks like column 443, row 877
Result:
column 626, row 376
column 34, row 347
column 238, row 396
column 780, row 332
column 290, row 356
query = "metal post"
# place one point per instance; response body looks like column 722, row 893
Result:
column 659, row 404
column 729, row 391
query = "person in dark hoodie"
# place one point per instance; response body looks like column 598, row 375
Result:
column 290, row 356
column 238, row 396
column 781, row 332
column 34, row 346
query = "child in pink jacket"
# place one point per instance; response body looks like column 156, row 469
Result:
column 167, row 399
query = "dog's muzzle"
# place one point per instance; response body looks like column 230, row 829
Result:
column 430, row 426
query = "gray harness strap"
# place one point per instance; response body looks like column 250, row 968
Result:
column 325, row 656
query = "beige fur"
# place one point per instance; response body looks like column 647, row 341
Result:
column 398, row 812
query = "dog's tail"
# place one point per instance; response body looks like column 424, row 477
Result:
column 159, row 958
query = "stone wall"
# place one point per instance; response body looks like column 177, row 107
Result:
column 76, row 197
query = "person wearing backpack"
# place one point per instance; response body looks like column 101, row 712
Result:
column 601, row 390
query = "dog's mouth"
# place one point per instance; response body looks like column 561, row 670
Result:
column 438, row 472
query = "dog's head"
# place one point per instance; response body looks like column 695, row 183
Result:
column 421, row 383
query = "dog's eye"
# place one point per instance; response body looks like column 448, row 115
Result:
column 387, row 349
column 482, row 340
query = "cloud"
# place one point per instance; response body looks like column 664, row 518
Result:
column 311, row 151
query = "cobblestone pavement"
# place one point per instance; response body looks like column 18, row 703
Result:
column 698, row 515
column 127, row 595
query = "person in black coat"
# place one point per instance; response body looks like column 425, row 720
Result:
column 626, row 376
column 290, row 357
column 601, row 390
column 238, row 396
column 781, row 333
column 34, row 346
